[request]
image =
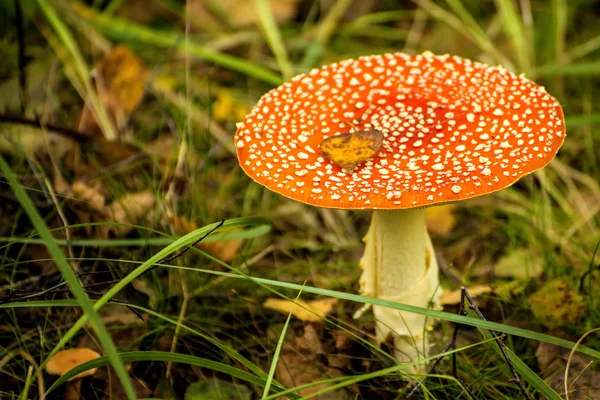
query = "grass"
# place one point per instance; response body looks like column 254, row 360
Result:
column 202, row 311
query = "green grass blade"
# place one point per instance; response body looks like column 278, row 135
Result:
column 154, row 241
column 278, row 351
column 531, row 377
column 273, row 37
column 126, row 30
column 580, row 120
column 475, row 322
column 350, row 380
column 583, row 49
column 515, row 32
column 559, row 16
column 81, row 69
column 578, row 69
column 72, row 280
column 522, row 369
column 170, row 249
column 323, row 33
column 464, row 23
column 229, row 351
column 164, row 357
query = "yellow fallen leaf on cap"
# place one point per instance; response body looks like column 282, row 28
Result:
column 452, row 297
column 310, row 311
column 348, row 150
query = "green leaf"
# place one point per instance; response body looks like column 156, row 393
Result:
column 216, row 389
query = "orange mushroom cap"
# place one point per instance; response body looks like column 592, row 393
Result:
column 453, row 129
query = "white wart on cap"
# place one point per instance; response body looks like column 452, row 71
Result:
column 453, row 129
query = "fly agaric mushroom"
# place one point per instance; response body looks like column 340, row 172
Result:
column 65, row 360
column 452, row 129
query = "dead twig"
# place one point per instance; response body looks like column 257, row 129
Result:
column 71, row 133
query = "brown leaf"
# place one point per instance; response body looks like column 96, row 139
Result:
column 130, row 209
column 91, row 195
column 124, row 79
column 224, row 250
column 300, row 364
column 348, row 150
column 311, row 311
column 120, row 81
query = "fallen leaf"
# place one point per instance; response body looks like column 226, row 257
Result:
column 224, row 250
column 452, row 297
column 88, row 203
column 583, row 375
column 519, row 264
column 300, row 362
column 311, row 311
column 92, row 195
column 440, row 219
column 120, row 81
column 348, row 150
column 130, row 209
column 124, row 79
column 556, row 304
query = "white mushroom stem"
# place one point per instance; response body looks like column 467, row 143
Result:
column 399, row 265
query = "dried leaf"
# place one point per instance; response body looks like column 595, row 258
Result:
column 302, row 310
column 300, row 363
column 440, row 219
column 556, row 304
column 348, row 150
column 92, row 195
column 124, row 79
column 452, row 297
column 130, row 209
column 120, row 81
column 224, row 250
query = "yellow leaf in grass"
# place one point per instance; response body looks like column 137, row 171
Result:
column 310, row 311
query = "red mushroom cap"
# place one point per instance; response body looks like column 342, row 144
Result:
column 453, row 129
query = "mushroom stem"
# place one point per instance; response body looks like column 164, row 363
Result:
column 399, row 265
